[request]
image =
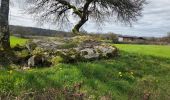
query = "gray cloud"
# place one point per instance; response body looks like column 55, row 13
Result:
column 155, row 21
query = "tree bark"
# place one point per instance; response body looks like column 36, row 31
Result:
column 76, row 29
column 83, row 18
column 4, row 25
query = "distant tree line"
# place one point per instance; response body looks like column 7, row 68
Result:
column 108, row 37
column 166, row 38
column 32, row 31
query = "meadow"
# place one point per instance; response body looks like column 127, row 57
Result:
column 16, row 40
column 138, row 71
column 152, row 50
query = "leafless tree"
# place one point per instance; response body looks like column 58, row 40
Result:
column 59, row 11
column 4, row 24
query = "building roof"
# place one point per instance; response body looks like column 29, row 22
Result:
column 132, row 37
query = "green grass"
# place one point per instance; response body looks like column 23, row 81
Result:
column 133, row 74
column 16, row 40
column 153, row 50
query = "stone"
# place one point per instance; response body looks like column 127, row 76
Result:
column 88, row 49
column 31, row 46
column 105, row 50
column 89, row 44
column 31, row 61
column 37, row 60
column 26, row 68
column 89, row 53
column 44, row 43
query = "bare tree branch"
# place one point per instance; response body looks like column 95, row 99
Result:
column 125, row 11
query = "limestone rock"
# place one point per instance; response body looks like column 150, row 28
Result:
column 31, row 61
column 105, row 50
column 88, row 49
column 38, row 61
column 44, row 43
column 89, row 53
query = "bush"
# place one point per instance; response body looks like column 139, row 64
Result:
column 38, row 51
column 57, row 60
column 23, row 53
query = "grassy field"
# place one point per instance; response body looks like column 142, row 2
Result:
column 16, row 40
column 152, row 50
column 140, row 70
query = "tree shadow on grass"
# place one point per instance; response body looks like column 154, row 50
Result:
column 6, row 58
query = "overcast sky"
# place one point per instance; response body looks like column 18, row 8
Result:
column 154, row 22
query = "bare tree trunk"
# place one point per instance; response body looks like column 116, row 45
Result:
column 4, row 25
column 83, row 18
column 77, row 27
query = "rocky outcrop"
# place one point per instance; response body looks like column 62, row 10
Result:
column 47, row 51
column 45, row 44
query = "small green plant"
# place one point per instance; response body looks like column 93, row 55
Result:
column 38, row 51
column 68, row 44
column 23, row 53
column 56, row 60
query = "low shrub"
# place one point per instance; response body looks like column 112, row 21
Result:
column 56, row 60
